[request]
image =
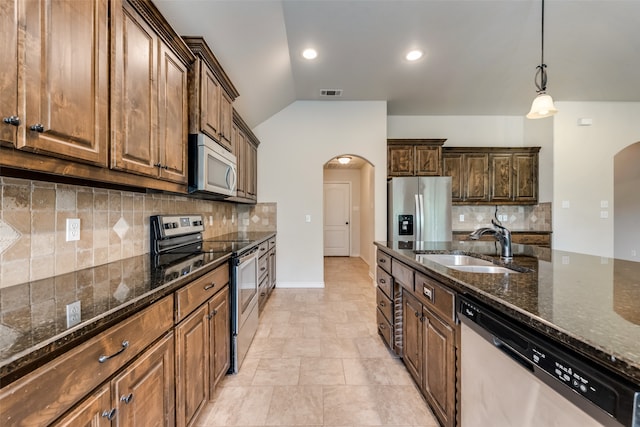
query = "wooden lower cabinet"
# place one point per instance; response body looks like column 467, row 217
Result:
column 142, row 395
column 192, row 367
column 219, row 337
column 95, row 411
column 429, row 349
column 203, row 353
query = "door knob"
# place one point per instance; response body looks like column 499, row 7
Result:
column 346, row 223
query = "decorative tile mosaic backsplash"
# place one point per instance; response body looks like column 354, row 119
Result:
column 518, row 218
column 113, row 225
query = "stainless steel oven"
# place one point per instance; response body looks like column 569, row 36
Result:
column 244, row 302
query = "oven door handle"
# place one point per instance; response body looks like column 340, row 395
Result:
column 250, row 254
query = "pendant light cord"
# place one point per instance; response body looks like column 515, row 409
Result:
column 540, row 78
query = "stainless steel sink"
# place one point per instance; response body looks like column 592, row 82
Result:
column 465, row 263
column 451, row 259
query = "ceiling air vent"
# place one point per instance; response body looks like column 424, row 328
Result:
column 331, row 92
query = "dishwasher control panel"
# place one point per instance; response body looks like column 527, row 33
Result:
column 580, row 381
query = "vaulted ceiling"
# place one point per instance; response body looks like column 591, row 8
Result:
column 480, row 55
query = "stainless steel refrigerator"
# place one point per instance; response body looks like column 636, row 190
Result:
column 419, row 209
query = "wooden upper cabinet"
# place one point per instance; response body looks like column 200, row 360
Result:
column 211, row 95
column 526, row 176
column 9, row 116
column 452, row 166
column 173, row 116
column 476, row 182
column 149, row 94
column 245, row 147
column 414, row 157
column 492, row 175
column 65, row 79
column 501, row 177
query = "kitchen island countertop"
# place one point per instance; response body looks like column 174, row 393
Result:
column 588, row 303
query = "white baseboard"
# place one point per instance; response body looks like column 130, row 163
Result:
column 300, row 285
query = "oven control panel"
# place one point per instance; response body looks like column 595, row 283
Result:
column 176, row 225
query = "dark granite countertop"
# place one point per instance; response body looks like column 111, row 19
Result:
column 33, row 322
column 588, row 303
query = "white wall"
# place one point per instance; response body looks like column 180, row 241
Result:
column 295, row 144
column 352, row 176
column 583, row 171
column 367, row 206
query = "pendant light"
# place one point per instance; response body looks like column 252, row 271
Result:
column 542, row 105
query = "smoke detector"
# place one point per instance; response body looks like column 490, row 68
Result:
column 331, row 92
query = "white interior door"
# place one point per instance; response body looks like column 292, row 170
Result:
column 337, row 224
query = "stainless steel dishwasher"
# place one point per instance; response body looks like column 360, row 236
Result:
column 513, row 377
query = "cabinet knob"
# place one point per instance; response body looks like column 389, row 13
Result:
column 12, row 120
column 37, row 128
column 383, row 281
column 128, row 398
column 110, row 414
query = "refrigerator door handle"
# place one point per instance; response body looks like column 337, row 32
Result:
column 421, row 203
column 418, row 220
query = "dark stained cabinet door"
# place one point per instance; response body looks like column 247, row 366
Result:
column 452, row 166
column 95, row 411
column 439, row 367
column 219, row 337
column 400, row 160
column 209, row 103
column 226, row 117
column 427, row 160
column 143, row 394
column 134, row 92
column 526, row 177
column 66, row 79
column 476, row 177
column 501, row 177
column 172, row 117
column 192, row 366
column 412, row 336
column 9, row 116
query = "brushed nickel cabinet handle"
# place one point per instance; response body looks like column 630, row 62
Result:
column 110, row 414
column 37, row 128
column 12, row 120
column 128, row 398
column 103, row 358
column 383, row 281
column 212, row 285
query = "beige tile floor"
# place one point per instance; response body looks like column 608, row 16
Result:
column 317, row 360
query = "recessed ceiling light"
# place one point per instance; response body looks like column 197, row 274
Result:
column 414, row 55
column 309, row 53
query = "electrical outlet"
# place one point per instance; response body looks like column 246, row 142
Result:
column 73, row 229
column 461, row 218
column 307, row 218
column 74, row 314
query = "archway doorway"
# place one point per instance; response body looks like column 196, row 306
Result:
column 626, row 224
column 348, row 206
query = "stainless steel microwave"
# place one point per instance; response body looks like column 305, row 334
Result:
column 212, row 169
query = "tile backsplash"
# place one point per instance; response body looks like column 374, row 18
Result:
column 518, row 218
column 114, row 225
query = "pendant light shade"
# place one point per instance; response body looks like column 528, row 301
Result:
column 542, row 105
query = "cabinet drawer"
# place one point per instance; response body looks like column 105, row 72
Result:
column 384, row 281
column 384, row 328
column 56, row 386
column 384, row 305
column 402, row 274
column 435, row 296
column 200, row 290
column 384, row 261
column 263, row 267
column 263, row 248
